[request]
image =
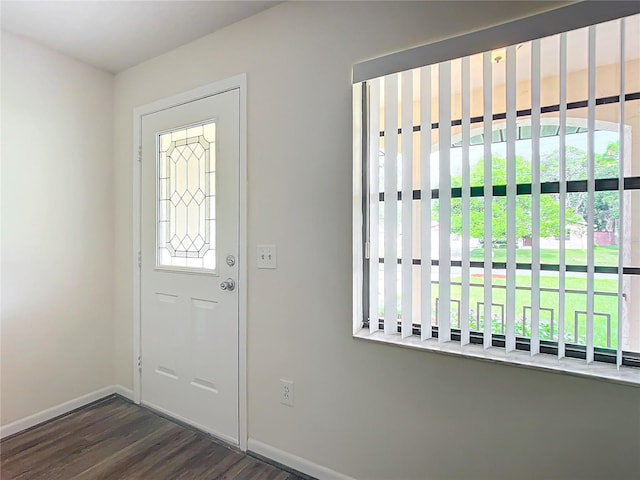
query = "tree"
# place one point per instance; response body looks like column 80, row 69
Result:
column 549, row 208
column 606, row 204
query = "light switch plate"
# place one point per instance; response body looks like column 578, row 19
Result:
column 267, row 257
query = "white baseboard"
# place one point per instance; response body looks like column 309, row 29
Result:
column 297, row 463
column 66, row 407
column 285, row 458
column 123, row 392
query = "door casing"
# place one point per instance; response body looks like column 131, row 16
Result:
column 239, row 82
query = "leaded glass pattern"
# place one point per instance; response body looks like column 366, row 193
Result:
column 187, row 197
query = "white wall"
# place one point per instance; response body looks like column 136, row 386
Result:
column 369, row 411
column 57, row 229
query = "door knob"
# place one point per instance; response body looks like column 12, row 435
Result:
column 228, row 284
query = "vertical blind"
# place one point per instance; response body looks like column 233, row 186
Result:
column 499, row 184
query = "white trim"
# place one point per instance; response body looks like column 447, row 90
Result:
column 293, row 461
column 243, row 270
column 551, row 22
column 137, row 249
column 358, row 216
column 518, row 358
column 237, row 82
column 62, row 409
column 373, row 211
column 123, row 392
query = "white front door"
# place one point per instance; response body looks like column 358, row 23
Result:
column 189, row 245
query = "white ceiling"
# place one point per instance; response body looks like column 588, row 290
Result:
column 115, row 35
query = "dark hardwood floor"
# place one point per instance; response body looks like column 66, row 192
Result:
column 114, row 439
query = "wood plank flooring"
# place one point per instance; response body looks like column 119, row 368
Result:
column 114, row 439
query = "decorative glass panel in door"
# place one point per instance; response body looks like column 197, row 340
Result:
column 186, row 198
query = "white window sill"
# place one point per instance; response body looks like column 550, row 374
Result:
column 567, row 366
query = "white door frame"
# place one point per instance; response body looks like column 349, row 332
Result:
column 238, row 82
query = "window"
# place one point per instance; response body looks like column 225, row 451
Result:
column 186, row 198
column 498, row 192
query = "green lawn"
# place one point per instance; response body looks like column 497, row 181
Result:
column 574, row 302
column 604, row 256
column 549, row 301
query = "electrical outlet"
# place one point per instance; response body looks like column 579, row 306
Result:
column 267, row 256
column 286, row 392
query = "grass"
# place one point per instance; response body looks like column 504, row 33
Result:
column 575, row 301
column 604, row 256
column 549, row 304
